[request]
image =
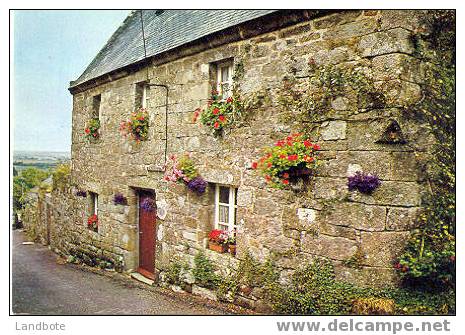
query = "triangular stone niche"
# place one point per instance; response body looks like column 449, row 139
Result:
column 392, row 134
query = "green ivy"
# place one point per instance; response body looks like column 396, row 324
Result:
column 429, row 257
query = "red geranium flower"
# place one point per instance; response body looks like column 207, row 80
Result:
column 254, row 165
column 285, row 182
column 280, row 143
column 215, row 111
column 282, row 156
column 286, row 175
column 267, row 178
column 87, row 131
column 307, row 143
column 222, row 118
column 316, row 147
column 292, row 157
column 216, row 125
column 229, row 100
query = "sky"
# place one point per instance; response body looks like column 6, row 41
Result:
column 51, row 48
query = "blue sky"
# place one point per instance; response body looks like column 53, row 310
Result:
column 51, row 48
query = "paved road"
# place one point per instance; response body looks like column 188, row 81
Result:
column 42, row 286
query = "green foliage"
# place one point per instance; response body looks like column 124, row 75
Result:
column 310, row 99
column 61, row 177
column 92, row 128
column 94, row 259
column 315, row 290
column 174, row 272
column 220, row 113
column 287, row 157
column 187, row 166
column 204, row 272
column 137, row 128
column 429, row 257
column 252, row 273
column 24, row 182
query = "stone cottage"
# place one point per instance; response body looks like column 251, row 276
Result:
column 169, row 61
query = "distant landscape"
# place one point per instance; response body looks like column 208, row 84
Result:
column 43, row 160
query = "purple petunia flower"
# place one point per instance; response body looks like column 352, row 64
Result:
column 147, row 204
column 363, row 182
column 119, row 199
column 81, row 193
column 197, row 185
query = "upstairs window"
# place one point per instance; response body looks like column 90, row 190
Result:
column 93, row 203
column 224, row 82
column 142, row 97
column 225, row 207
column 96, row 101
column 92, row 221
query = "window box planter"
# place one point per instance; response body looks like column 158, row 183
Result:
column 221, row 248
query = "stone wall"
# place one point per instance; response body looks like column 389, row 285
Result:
column 326, row 220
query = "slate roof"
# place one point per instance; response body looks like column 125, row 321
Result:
column 164, row 30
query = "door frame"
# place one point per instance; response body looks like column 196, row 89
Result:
column 137, row 191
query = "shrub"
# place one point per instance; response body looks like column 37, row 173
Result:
column 203, row 271
column 61, row 177
column 373, row 306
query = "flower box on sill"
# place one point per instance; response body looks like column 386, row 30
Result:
column 221, row 248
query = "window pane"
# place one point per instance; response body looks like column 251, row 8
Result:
column 225, row 91
column 225, row 73
column 222, row 227
column 224, row 195
column 223, row 214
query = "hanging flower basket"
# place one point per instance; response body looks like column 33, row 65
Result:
column 218, row 114
column 91, row 130
column 289, row 159
column 120, row 199
column 148, row 205
column 137, row 127
column 81, row 193
column 184, row 171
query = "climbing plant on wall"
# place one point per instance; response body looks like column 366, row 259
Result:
column 429, row 257
column 327, row 89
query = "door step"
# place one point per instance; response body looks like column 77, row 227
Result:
column 141, row 278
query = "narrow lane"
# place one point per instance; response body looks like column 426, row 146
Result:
column 42, row 286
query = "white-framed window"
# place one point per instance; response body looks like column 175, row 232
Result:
column 224, row 81
column 225, row 207
column 93, row 203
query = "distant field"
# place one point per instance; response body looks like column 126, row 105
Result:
column 19, row 166
column 43, row 160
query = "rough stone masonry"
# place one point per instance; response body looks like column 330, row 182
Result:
column 325, row 221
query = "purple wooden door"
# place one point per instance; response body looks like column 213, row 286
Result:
column 147, row 231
